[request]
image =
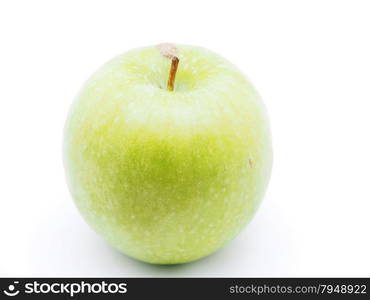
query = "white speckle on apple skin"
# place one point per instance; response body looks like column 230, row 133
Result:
column 167, row 177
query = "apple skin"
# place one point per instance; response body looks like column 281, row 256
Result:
column 167, row 177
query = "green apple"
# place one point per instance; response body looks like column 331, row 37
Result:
column 167, row 174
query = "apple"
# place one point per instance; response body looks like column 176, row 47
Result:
column 167, row 152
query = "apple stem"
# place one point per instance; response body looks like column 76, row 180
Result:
column 170, row 51
column 172, row 75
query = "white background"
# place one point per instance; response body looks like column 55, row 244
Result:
column 310, row 61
